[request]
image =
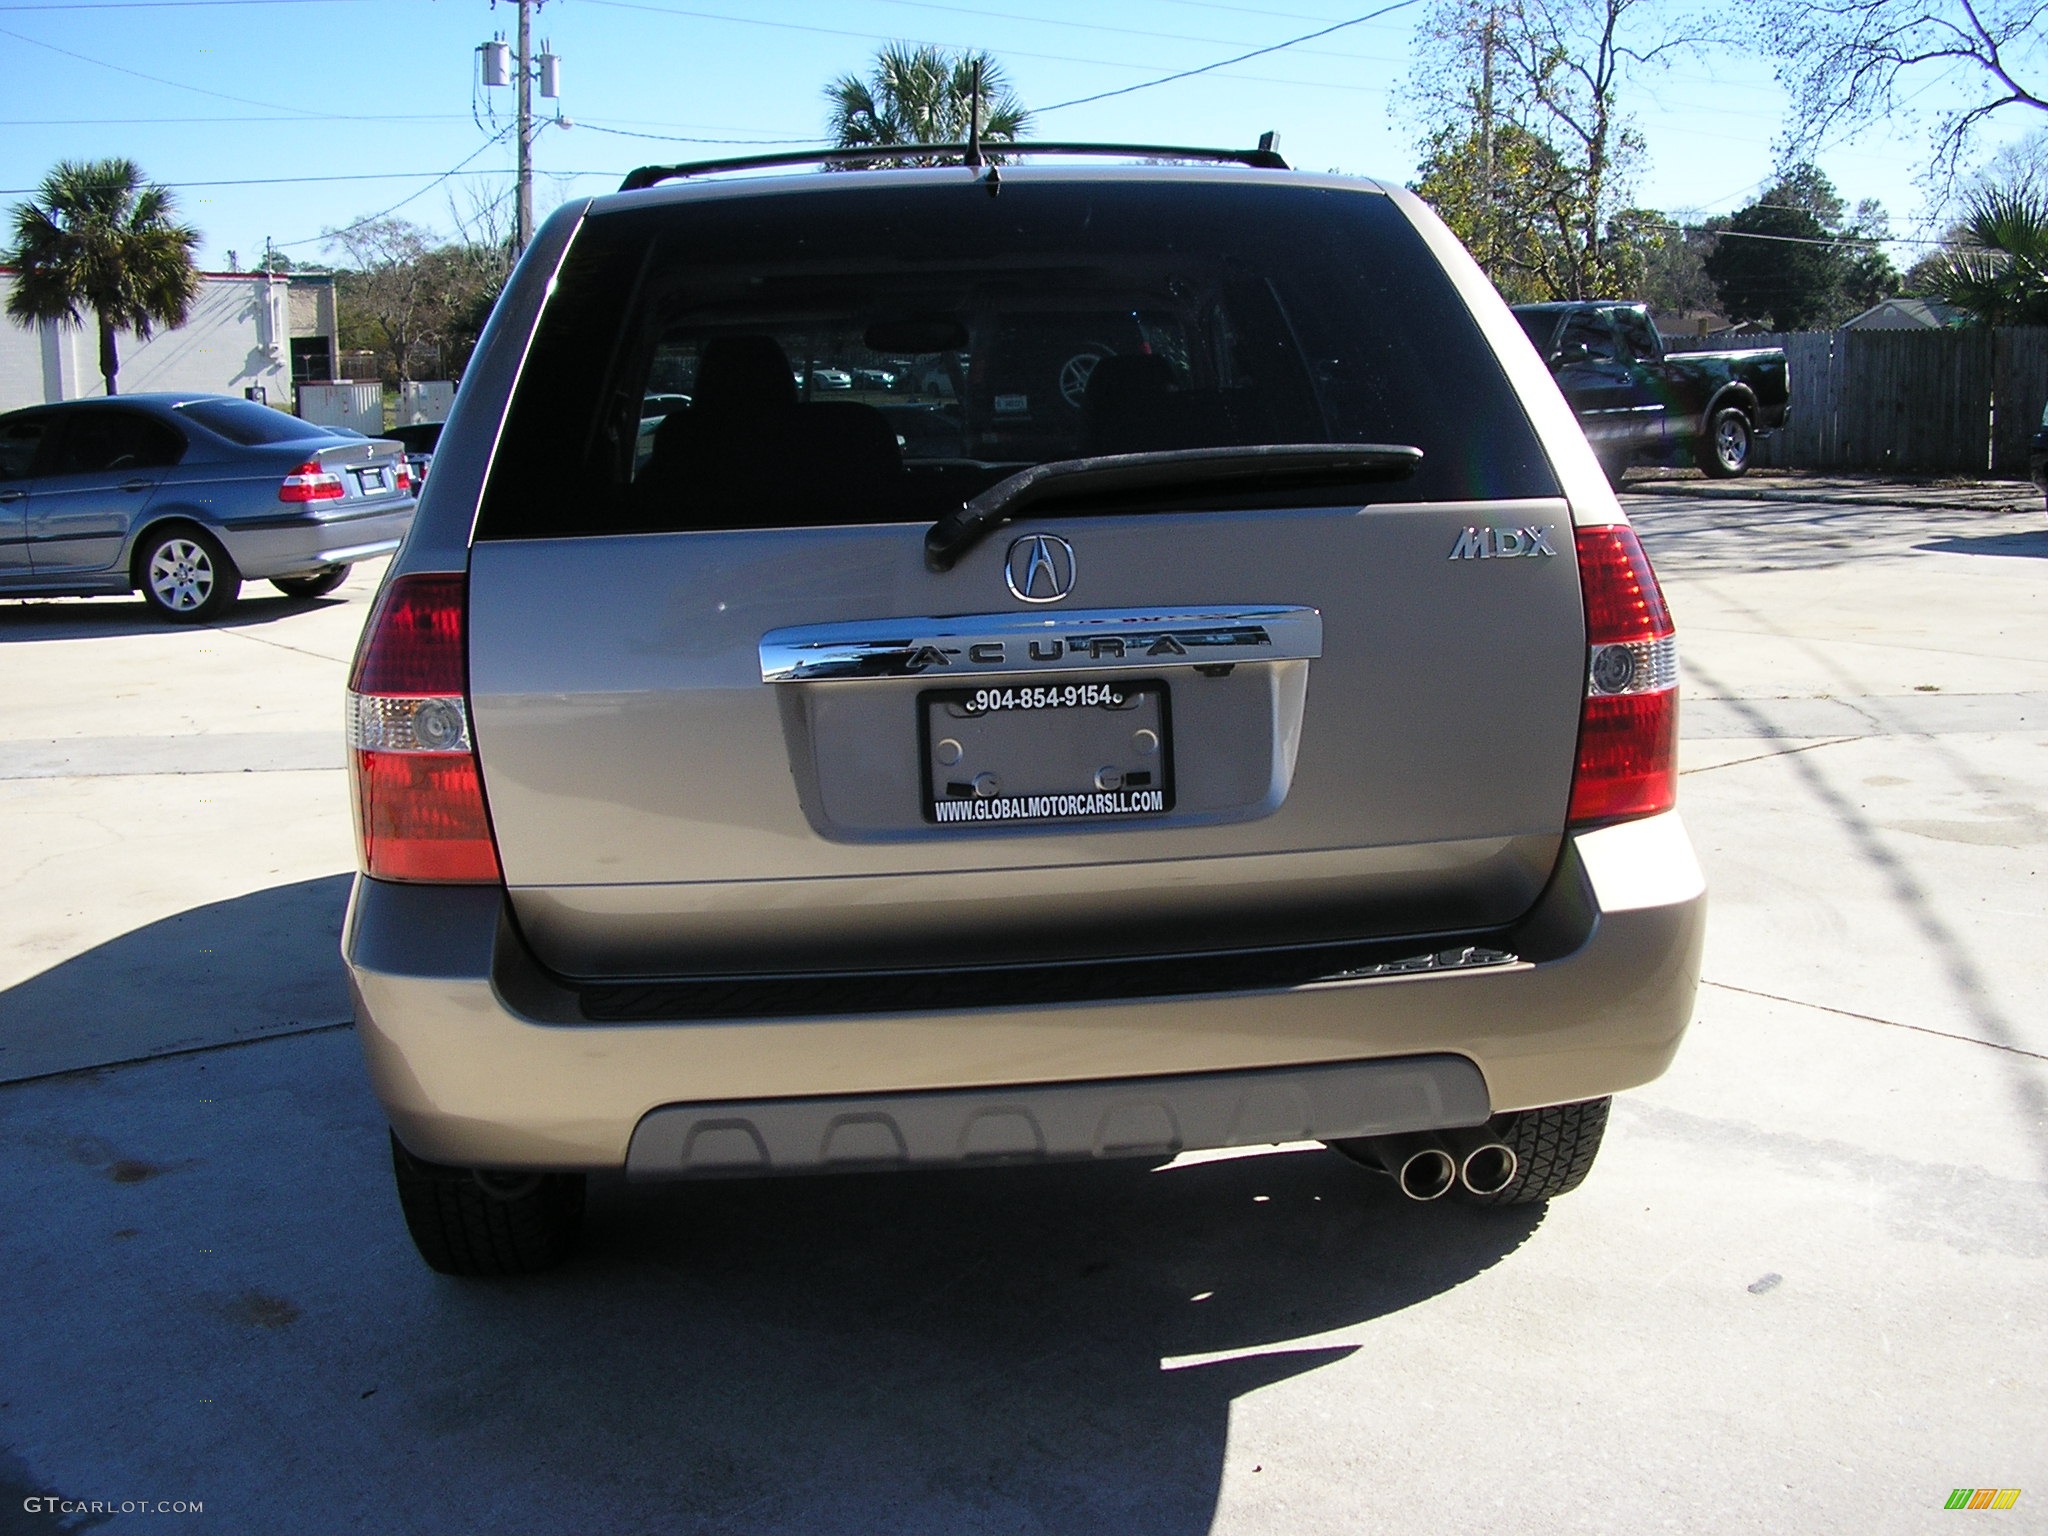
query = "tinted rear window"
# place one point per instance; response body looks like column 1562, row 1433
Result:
column 250, row 424
column 881, row 352
column 1539, row 325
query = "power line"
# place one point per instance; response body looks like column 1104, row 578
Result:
column 1398, row 5
column 122, row 69
column 163, row 5
column 348, row 229
column 318, row 117
column 1853, row 242
column 677, row 138
column 1014, row 53
column 1096, row 26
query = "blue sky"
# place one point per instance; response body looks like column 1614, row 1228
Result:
column 273, row 93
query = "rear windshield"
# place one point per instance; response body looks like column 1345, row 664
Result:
column 869, row 352
column 418, row 438
column 250, row 424
column 1539, row 325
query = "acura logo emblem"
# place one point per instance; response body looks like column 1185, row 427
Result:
column 1039, row 568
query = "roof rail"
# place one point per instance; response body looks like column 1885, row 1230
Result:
column 1266, row 157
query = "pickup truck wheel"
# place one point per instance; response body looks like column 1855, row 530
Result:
column 1724, row 450
column 1554, row 1150
column 1615, row 467
column 467, row 1221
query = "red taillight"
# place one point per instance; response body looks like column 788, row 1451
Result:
column 1628, row 727
column 310, row 482
column 403, row 478
column 418, row 791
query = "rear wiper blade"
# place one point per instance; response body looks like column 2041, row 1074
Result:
column 1085, row 480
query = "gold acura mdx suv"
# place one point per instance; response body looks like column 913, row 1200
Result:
column 957, row 665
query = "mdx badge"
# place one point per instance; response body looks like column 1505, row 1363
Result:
column 1039, row 568
column 1502, row 543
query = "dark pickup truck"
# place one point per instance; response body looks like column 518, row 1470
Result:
column 1635, row 401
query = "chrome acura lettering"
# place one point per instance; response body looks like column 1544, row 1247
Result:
column 1503, row 543
column 1008, row 642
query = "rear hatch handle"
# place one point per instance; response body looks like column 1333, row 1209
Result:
column 1125, row 482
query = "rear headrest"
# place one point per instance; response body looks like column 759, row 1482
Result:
column 743, row 373
column 1130, row 408
column 1117, row 379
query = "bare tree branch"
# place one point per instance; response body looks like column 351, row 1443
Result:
column 1849, row 63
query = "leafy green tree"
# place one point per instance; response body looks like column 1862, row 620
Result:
column 1518, row 221
column 1796, row 258
column 1499, row 74
column 2000, row 273
column 1675, row 280
column 98, row 236
column 922, row 95
column 418, row 303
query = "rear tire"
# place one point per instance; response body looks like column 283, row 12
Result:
column 1724, row 450
column 1615, row 467
column 1554, row 1149
column 468, row 1221
column 185, row 575
column 319, row 584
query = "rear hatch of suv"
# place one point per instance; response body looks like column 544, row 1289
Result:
column 737, row 713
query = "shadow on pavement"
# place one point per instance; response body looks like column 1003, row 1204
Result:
column 2034, row 543
column 217, row 1263
column 1001, row 1350
column 231, row 970
column 100, row 618
column 1705, row 536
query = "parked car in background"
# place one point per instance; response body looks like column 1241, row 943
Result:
column 1278, row 742
column 418, row 439
column 1634, row 400
column 184, row 497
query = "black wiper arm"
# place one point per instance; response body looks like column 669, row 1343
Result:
column 1084, row 480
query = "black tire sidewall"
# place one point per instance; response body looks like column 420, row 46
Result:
column 311, row 586
column 1710, row 449
column 227, row 581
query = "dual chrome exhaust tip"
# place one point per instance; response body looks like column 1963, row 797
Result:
column 1427, row 1165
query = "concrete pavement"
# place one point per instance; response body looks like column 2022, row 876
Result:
column 1797, row 1293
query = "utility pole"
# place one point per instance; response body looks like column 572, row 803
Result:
column 524, row 235
column 1486, row 178
column 519, row 66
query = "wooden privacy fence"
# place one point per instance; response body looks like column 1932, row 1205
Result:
column 1953, row 401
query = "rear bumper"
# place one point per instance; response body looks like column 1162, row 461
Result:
column 471, row 1077
column 297, row 545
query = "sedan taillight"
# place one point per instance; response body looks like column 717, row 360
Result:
column 1628, row 725
column 311, row 482
column 413, row 771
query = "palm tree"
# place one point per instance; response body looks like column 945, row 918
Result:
column 97, row 236
column 922, row 96
column 2000, row 274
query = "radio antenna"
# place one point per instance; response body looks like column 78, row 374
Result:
column 973, row 159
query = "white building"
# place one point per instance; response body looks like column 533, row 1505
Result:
column 247, row 331
column 1907, row 315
